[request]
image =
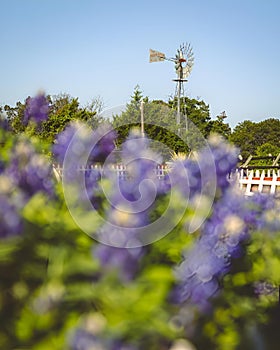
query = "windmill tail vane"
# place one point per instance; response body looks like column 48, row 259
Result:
column 156, row 56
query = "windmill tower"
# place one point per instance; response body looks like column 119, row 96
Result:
column 183, row 60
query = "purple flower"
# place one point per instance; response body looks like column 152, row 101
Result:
column 104, row 144
column 124, row 260
column 30, row 171
column 37, row 109
column 2, row 166
column 265, row 288
column 4, row 124
column 233, row 218
column 225, row 158
column 63, row 140
column 81, row 142
column 11, row 223
column 186, row 177
column 130, row 200
column 83, row 339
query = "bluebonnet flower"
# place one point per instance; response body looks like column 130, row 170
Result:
column 225, row 157
column 131, row 200
column 140, row 164
column 265, row 288
column 264, row 212
column 30, row 171
column 208, row 172
column 63, row 140
column 104, row 144
column 11, row 222
column 2, row 166
column 220, row 241
column 80, row 141
column 119, row 345
column 84, row 339
column 71, row 151
column 37, row 109
column 124, row 260
column 186, row 177
column 93, row 191
column 4, row 124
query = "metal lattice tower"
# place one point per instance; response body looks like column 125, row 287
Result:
column 184, row 60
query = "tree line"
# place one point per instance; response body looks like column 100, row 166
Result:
column 252, row 138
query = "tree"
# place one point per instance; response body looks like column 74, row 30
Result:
column 62, row 109
column 269, row 131
column 219, row 126
column 15, row 116
column 248, row 135
column 194, row 128
column 159, row 124
column 267, row 149
column 195, row 111
column 244, row 137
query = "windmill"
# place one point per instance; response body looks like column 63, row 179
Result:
column 183, row 60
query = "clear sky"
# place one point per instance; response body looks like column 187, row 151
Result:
column 90, row 48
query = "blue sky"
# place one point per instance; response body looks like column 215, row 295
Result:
column 101, row 48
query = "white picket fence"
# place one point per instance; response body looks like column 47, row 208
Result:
column 250, row 181
column 120, row 169
column 255, row 180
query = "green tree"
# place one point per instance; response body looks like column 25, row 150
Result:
column 63, row 109
column 244, row 137
column 248, row 135
column 267, row 149
column 196, row 111
column 159, row 124
column 194, row 128
column 219, row 126
column 269, row 131
column 15, row 116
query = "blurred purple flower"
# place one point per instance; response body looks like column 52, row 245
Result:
column 11, row 222
column 265, row 288
column 104, row 138
column 4, row 124
column 37, row 109
column 85, row 340
column 131, row 201
column 124, row 260
column 97, row 144
column 30, row 171
column 2, row 166
column 225, row 158
column 233, row 219
column 62, row 142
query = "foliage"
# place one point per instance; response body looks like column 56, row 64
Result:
column 218, row 126
column 196, row 111
column 107, row 275
column 62, row 109
column 160, row 122
column 248, row 135
column 267, row 149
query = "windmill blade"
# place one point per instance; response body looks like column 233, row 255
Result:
column 186, row 72
column 190, row 61
column 188, row 68
column 156, row 56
